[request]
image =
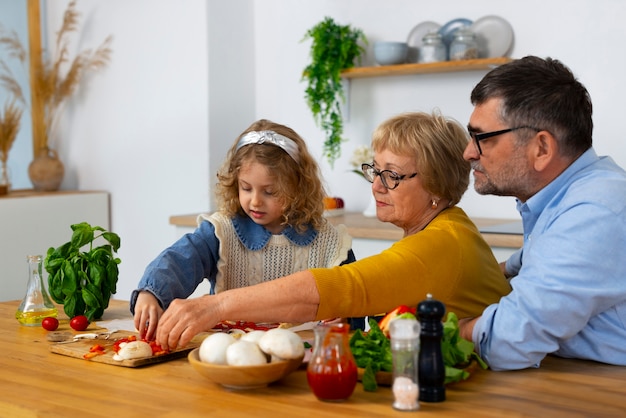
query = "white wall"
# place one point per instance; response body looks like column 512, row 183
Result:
column 585, row 35
column 152, row 128
column 13, row 17
column 139, row 130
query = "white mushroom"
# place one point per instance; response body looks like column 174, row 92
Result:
column 133, row 349
column 245, row 353
column 282, row 344
column 213, row 348
column 253, row 336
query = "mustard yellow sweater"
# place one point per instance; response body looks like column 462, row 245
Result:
column 448, row 259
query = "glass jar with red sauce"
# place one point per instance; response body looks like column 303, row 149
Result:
column 332, row 371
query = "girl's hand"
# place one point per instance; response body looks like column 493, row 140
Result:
column 147, row 315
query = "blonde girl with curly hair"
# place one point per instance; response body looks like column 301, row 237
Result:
column 269, row 224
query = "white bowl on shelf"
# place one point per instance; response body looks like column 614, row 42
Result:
column 390, row 53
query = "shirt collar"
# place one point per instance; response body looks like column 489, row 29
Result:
column 532, row 208
column 254, row 236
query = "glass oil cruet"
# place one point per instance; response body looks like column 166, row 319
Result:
column 37, row 304
column 332, row 371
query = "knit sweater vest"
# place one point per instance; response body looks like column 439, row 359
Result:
column 241, row 267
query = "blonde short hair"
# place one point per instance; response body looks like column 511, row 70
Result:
column 436, row 143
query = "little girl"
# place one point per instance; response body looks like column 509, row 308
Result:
column 270, row 224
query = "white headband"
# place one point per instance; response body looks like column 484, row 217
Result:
column 270, row 137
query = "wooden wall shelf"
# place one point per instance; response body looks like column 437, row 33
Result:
column 435, row 67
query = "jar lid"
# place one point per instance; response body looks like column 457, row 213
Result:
column 464, row 32
column 404, row 328
column 432, row 36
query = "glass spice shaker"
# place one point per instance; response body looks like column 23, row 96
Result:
column 432, row 50
column 405, row 346
column 37, row 304
column 464, row 45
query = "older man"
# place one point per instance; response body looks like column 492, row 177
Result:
column 531, row 137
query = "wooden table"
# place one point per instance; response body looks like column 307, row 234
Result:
column 37, row 383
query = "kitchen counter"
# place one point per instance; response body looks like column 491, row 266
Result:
column 506, row 233
column 38, row 383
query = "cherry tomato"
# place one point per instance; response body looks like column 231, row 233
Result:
column 79, row 323
column 49, row 323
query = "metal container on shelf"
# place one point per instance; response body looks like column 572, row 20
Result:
column 463, row 46
column 433, row 49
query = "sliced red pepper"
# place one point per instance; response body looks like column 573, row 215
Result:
column 244, row 326
column 402, row 309
column 94, row 350
column 97, row 349
column 116, row 345
column 156, row 348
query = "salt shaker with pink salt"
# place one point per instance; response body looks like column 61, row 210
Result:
column 405, row 345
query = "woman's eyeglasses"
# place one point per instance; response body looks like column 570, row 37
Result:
column 390, row 179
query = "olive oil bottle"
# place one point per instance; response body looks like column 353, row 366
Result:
column 37, row 304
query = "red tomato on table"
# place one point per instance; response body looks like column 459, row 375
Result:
column 79, row 323
column 50, row 323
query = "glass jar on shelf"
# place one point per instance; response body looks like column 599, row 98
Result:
column 463, row 46
column 432, row 50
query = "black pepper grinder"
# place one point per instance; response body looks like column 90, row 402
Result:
column 432, row 373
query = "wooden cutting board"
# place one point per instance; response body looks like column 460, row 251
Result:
column 81, row 347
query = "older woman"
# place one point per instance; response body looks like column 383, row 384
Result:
column 418, row 176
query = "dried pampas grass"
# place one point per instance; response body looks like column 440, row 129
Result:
column 9, row 126
column 54, row 80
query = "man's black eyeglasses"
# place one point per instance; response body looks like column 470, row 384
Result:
column 390, row 179
column 477, row 137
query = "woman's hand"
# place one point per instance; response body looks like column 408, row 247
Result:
column 147, row 315
column 185, row 318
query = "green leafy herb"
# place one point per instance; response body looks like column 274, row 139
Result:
column 334, row 49
column 457, row 352
column 83, row 281
column 372, row 352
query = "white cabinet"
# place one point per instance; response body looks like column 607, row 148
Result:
column 31, row 222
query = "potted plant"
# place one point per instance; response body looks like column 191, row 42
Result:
column 334, row 49
column 53, row 82
column 82, row 277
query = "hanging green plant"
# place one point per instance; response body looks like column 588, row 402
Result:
column 334, row 49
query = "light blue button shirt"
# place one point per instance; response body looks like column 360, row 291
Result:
column 569, row 294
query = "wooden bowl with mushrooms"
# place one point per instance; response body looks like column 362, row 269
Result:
column 248, row 361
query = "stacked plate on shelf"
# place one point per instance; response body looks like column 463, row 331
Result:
column 494, row 35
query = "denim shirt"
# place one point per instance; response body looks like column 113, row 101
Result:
column 569, row 292
column 180, row 268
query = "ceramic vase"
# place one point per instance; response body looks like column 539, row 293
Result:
column 46, row 171
column 5, row 181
